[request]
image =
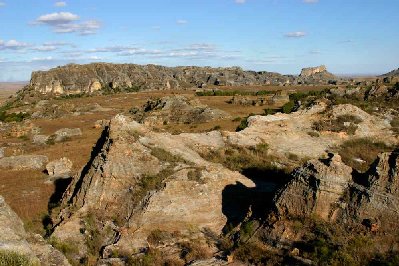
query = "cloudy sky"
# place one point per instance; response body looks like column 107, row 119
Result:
column 349, row 36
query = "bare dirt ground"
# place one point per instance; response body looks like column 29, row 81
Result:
column 28, row 193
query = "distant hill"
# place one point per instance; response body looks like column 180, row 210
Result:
column 392, row 73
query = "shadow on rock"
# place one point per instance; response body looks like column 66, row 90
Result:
column 239, row 201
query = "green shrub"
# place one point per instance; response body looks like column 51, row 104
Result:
column 288, row 107
column 10, row 258
column 243, row 125
column 13, row 117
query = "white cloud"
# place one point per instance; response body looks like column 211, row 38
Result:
column 295, row 34
column 66, row 22
column 44, row 48
column 310, row 1
column 12, row 45
column 2, row 4
column 84, row 28
column 41, row 59
column 57, row 18
column 240, row 1
column 181, row 21
column 60, row 4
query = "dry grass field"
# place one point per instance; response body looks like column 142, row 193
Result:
column 28, row 193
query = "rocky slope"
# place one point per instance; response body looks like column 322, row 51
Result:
column 139, row 182
column 142, row 185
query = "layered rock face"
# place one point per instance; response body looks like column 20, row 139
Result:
column 331, row 190
column 14, row 238
column 71, row 79
column 315, row 188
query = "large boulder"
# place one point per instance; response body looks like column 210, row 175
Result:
column 23, row 162
column 59, row 168
column 315, row 189
column 67, row 133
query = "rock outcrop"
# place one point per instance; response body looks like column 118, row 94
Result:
column 316, row 189
column 176, row 109
column 24, row 162
column 315, row 75
column 59, row 168
column 311, row 71
column 331, row 190
column 14, row 238
column 138, row 181
column 73, row 79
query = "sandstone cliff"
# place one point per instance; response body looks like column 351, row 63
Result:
column 316, row 75
column 72, row 79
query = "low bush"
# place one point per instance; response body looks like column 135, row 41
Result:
column 194, row 250
column 13, row 117
column 288, row 107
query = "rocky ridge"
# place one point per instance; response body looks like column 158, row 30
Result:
column 75, row 79
column 139, row 182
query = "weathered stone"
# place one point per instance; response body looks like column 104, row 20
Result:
column 59, row 168
column 66, row 133
column 40, row 139
column 23, row 162
column 129, row 153
column 315, row 189
column 2, row 152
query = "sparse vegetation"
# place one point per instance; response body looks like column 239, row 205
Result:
column 194, row 250
column 360, row 153
column 238, row 158
column 343, row 123
column 10, row 258
column 69, row 249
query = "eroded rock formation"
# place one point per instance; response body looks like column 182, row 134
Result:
column 72, row 79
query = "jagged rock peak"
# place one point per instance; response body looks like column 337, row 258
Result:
column 310, row 71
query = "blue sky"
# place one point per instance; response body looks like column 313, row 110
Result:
column 349, row 36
